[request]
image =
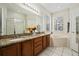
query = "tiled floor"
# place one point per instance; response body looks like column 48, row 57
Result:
column 58, row 51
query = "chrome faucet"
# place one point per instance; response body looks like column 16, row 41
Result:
column 15, row 35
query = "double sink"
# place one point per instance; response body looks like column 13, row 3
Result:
column 4, row 42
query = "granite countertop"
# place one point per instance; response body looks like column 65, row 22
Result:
column 6, row 42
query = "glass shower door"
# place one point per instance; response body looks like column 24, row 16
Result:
column 77, row 32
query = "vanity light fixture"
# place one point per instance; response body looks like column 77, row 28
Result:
column 34, row 9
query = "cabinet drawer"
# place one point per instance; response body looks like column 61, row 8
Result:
column 38, row 43
column 37, row 39
column 37, row 50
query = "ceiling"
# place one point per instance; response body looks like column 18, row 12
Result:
column 54, row 7
column 17, row 7
column 51, row 7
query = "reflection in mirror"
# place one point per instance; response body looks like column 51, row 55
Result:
column 10, row 26
column 16, row 20
column 33, row 21
column 15, row 23
column 3, row 16
column 19, row 26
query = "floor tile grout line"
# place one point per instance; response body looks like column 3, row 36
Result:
column 52, row 51
column 62, row 51
column 55, row 49
column 72, row 52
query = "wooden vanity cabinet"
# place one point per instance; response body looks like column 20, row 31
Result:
column 37, row 45
column 0, row 52
column 12, row 50
column 44, row 42
column 27, row 48
column 48, row 40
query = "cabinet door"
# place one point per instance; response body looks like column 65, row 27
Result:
column 44, row 41
column 0, row 51
column 12, row 50
column 48, row 40
column 27, row 48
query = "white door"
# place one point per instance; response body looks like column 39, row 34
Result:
column 73, row 14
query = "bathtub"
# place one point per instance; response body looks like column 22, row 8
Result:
column 59, row 40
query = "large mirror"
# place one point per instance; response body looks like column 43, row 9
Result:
column 16, row 20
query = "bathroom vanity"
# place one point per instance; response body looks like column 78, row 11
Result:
column 14, row 23
column 25, row 46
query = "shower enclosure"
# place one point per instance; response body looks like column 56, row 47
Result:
column 77, row 31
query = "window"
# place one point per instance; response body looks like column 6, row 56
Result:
column 59, row 24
